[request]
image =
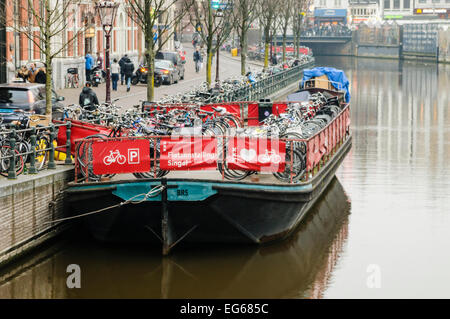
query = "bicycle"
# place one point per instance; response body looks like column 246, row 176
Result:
column 114, row 157
column 72, row 79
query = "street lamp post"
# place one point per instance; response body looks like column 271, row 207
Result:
column 218, row 17
column 107, row 11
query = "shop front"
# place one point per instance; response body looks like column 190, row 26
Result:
column 330, row 16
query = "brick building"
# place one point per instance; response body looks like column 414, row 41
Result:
column 17, row 50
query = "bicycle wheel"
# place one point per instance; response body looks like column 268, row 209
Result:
column 23, row 148
column 155, row 170
column 5, row 154
column 84, row 157
column 232, row 121
column 297, row 170
column 42, row 146
column 229, row 173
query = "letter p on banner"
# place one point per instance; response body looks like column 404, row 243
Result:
column 133, row 156
column 121, row 156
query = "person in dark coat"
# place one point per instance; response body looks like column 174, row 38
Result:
column 41, row 76
column 128, row 69
column 274, row 59
column 88, row 98
column 198, row 59
column 121, row 63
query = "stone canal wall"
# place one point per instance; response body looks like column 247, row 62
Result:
column 27, row 204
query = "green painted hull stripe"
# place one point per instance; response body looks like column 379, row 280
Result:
column 186, row 190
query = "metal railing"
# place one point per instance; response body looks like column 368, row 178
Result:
column 265, row 87
column 319, row 150
column 10, row 139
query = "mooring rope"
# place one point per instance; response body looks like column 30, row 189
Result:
column 155, row 191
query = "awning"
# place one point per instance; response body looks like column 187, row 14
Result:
column 338, row 13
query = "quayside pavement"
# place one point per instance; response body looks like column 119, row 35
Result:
column 228, row 67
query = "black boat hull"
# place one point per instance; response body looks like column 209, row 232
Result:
column 220, row 211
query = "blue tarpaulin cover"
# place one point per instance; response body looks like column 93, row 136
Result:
column 338, row 78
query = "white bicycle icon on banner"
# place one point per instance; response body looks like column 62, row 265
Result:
column 250, row 155
column 114, row 157
column 269, row 157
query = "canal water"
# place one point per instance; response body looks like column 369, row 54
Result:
column 381, row 230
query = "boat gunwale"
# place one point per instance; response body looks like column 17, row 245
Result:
column 227, row 184
column 73, row 185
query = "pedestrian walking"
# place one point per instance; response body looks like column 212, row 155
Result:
column 89, row 64
column 274, row 59
column 121, row 64
column 198, row 59
column 115, row 70
column 128, row 68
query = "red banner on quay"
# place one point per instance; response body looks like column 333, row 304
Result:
column 121, row 156
column 79, row 130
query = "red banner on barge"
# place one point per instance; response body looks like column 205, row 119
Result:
column 120, row 156
column 188, row 153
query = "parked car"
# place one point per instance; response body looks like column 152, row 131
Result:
column 140, row 76
column 176, row 59
column 167, row 71
column 29, row 97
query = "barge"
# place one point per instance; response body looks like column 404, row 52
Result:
column 192, row 205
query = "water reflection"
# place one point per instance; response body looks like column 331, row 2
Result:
column 299, row 267
column 397, row 176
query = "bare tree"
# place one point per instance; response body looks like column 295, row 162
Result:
column 158, row 20
column 285, row 18
column 298, row 14
column 268, row 11
column 45, row 25
column 244, row 12
column 211, row 26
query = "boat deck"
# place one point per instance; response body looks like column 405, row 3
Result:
column 259, row 178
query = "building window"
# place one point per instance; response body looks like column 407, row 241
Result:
column 422, row 1
column 406, row 4
column 323, row 3
column 435, row 1
column 397, row 4
column 387, row 4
